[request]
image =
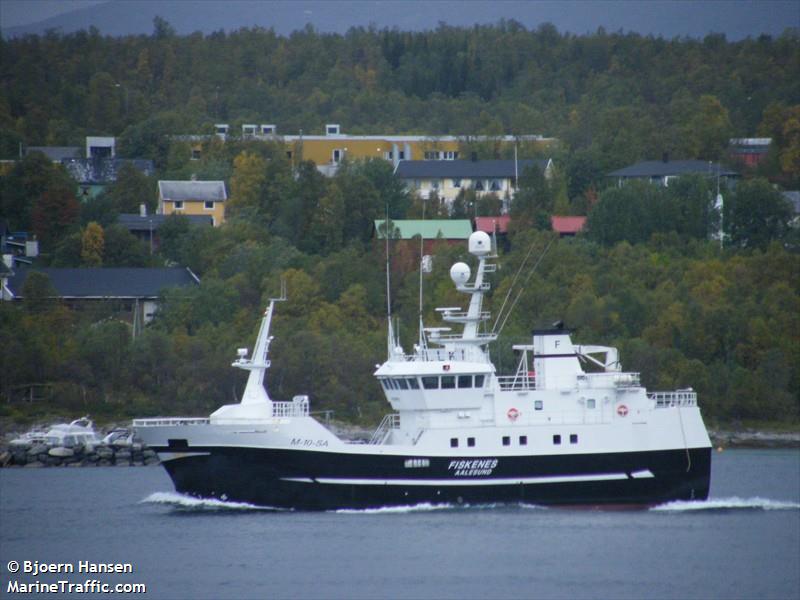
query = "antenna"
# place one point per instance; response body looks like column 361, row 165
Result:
column 497, row 330
column 390, row 332
column 421, row 270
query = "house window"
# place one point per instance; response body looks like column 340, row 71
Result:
column 495, row 185
column 506, row 440
column 289, row 154
column 456, row 183
column 573, row 438
column 537, row 405
column 454, row 442
column 430, row 383
column 401, row 154
column 450, row 155
column 332, row 129
column 479, row 185
column 448, row 382
column 209, row 205
column 196, row 154
column 433, row 155
column 471, row 442
column 465, row 381
column 523, row 440
column 337, row 155
column 178, row 204
column 435, row 184
column 557, row 440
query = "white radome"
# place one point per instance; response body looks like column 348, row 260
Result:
column 460, row 273
column 480, row 244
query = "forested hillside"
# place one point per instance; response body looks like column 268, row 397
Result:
column 646, row 277
column 620, row 97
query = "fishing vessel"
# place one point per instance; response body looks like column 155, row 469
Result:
column 567, row 427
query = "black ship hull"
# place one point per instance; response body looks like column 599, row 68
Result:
column 314, row 480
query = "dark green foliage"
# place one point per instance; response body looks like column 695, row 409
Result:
column 756, row 215
column 638, row 210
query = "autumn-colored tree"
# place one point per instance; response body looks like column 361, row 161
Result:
column 249, row 175
column 92, row 245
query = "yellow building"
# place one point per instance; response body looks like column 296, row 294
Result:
column 193, row 198
column 329, row 149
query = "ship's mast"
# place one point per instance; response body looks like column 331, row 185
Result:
column 255, row 392
column 480, row 245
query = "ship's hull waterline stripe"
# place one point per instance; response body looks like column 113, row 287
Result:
column 647, row 474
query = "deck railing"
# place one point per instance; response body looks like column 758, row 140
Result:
column 170, row 421
column 389, row 422
column 516, row 382
column 672, row 399
column 297, row 408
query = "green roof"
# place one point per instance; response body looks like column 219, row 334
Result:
column 450, row 229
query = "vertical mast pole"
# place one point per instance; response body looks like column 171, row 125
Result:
column 390, row 331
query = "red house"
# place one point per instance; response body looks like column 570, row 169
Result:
column 567, row 226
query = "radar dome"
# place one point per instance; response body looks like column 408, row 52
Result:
column 460, row 273
column 480, row 244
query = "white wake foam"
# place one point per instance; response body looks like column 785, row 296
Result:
column 190, row 502
column 388, row 510
column 733, row 503
column 428, row 507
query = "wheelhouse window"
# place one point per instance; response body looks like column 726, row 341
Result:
column 413, row 384
column 430, row 383
column 465, row 381
column 448, row 382
column 386, row 384
column 402, row 384
column 479, row 381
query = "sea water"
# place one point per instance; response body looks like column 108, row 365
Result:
column 744, row 542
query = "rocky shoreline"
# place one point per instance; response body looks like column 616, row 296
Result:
column 100, row 455
column 751, row 438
